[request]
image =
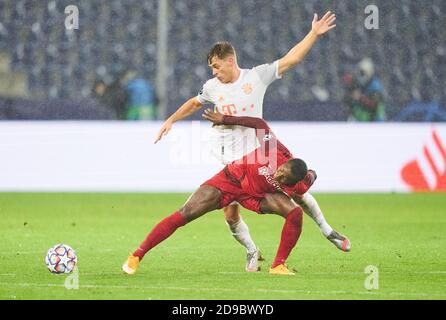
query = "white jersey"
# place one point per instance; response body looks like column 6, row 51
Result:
column 244, row 97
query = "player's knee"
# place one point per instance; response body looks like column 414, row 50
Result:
column 232, row 214
column 291, row 207
column 231, row 221
column 283, row 208
column 295, row 216
column 189, row 212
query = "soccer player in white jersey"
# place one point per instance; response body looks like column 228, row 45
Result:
column 239, row 92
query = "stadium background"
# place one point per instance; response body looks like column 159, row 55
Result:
column 49, row 73
column 50, row 62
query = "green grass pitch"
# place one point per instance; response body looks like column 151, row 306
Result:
column 403, row 235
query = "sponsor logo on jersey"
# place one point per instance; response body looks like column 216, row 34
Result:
column 229, row 109
column 267, row 137
column 264, row 171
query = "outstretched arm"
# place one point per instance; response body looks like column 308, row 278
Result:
column 266, row 137
column 188, row 108
column 300, row 50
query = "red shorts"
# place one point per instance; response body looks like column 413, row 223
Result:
column 232, row 191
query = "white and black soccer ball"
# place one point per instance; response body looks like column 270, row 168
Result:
column 61, row 259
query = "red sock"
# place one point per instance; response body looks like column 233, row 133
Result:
column 162, row 231
column 290, row 234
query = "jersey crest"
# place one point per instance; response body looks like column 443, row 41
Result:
column 247, row 88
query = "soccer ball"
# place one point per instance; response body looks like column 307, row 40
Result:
column 61, row 259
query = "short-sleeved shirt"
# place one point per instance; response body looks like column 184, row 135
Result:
column 244, row 97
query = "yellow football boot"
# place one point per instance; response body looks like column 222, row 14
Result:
column 131, row 264
column 282, row 270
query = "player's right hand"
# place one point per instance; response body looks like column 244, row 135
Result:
column 163, row 131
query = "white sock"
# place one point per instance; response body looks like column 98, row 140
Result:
column 312, row 209
column 240, row 232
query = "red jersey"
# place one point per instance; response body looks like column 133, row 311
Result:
column 255, row 171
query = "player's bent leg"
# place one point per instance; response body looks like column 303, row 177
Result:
column 284, row 206
column 311, row 208
column 277, row 203
column 205, row 199
column 240, row 231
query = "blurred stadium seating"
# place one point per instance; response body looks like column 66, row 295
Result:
column 409, row 49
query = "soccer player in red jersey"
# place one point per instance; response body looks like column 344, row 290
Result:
column 239, row 92
column 265, row 181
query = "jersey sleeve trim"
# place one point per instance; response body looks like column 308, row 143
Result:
column 202, row 100
column 203, row 96
column 276, row 64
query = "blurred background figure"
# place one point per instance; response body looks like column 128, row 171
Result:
column 113, row 95
column 364, row 96
column 128, row 96
column 141, row 99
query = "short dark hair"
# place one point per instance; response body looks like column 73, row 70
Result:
column 221, row 50
column 298, row 170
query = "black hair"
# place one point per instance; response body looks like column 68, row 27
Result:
column 298, row 170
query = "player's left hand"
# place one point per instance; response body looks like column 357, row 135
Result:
column 323, row 25
column 213, row 116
